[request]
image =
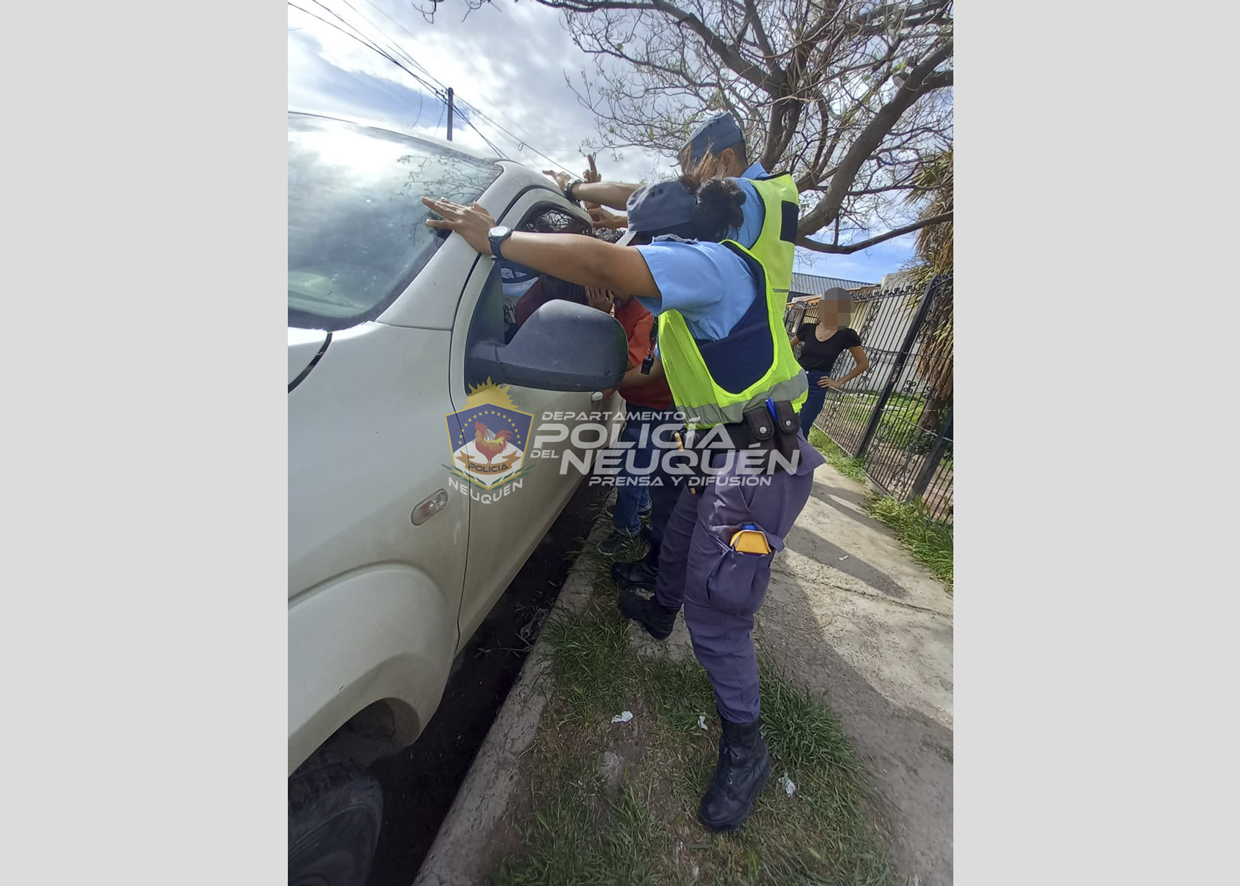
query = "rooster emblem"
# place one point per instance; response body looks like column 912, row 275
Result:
column 484, row 457
column 490, row 443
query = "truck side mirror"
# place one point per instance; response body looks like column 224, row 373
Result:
column 563, row 346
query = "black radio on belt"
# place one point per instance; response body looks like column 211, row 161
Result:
column 649, row 361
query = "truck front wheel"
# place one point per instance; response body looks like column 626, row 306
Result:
column 334, row 814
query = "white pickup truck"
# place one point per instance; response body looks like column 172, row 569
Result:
column 395, row 553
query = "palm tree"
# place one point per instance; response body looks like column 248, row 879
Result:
column 934, row 256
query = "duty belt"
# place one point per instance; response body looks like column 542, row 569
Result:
column 772, row 427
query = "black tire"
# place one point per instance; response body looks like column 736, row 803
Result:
column 334, row 814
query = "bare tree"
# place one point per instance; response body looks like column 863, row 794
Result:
column 847, row 95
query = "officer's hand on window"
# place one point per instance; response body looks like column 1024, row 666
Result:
column 604, row 218
column 471, row 222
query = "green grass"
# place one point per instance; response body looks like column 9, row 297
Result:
column 930, row 543
column 575, row 842
column 646, row 831
column 853, row 468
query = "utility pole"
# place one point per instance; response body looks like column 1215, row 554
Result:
column 449, row 113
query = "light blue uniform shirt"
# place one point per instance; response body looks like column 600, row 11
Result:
column 709, row 284
column 755, row 212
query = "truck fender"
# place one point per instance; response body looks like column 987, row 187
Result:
column 385, row 632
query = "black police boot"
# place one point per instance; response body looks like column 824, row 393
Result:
column 744, row 766
column 657, row 620
column 638, row 574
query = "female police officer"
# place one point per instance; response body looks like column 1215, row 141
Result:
column 733, row 375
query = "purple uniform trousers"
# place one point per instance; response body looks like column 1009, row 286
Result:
column 720, row 588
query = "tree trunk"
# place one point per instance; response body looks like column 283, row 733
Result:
column 932, row 413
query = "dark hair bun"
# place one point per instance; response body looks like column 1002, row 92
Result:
column 719, row 202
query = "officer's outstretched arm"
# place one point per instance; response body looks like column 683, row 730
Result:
column 570, row 257
column 583, row 260
column 613, row 194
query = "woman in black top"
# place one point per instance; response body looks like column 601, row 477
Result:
column 823, row 342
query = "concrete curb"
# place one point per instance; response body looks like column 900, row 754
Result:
column 487, row 792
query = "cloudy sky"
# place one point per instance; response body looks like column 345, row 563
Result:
column 507, row 64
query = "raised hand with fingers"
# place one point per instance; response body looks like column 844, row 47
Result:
column 591, row 175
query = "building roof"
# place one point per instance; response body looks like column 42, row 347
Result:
column 812, row 284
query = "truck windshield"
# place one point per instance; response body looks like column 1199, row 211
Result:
column 357, row 231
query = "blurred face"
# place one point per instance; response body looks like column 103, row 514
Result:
column 834, row 313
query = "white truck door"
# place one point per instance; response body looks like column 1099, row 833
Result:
column 515, row 497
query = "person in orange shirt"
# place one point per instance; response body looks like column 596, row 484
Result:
column 648, row 402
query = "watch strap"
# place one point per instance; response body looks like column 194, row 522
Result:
column 496, row 243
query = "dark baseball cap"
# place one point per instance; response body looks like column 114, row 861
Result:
column 658, row 207
column 719, row 132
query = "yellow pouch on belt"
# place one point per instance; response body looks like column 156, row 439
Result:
column 749, row 539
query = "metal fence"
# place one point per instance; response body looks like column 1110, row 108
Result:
column 897, row 415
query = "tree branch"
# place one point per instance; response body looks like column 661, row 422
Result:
column 815, row 246
column 727, row 54
column 758, row 31
column 840, row 93
column 870, row 138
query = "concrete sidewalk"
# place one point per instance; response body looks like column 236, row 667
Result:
column 851, row 618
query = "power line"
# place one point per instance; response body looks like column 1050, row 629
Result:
column 418, row 119
column 471, row 125
column 497, row 111
column 369, row 44
column 521, row 143
column 438, row 90
column 403, row 28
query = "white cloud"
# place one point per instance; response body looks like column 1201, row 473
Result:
column 506, row 60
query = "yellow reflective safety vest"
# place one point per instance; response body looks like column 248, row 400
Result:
column 717, row 382
column 776, row 243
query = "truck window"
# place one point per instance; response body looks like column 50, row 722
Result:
column 357, row 231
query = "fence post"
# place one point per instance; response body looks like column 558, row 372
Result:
column 931, row 464
column 932, row 289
